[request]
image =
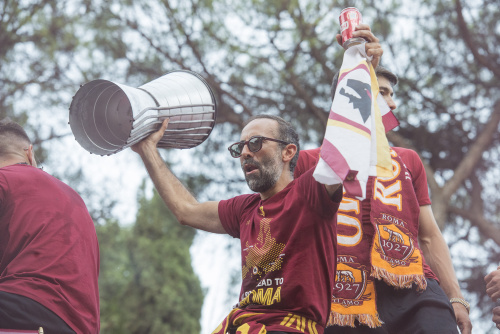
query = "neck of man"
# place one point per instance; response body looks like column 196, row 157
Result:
column 12, row 160
column 283, row 181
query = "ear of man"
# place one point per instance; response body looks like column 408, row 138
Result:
column 289, row 152
column 30, row 152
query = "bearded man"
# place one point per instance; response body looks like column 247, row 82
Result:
column 287, row 229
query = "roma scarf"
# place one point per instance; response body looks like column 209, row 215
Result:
column 246, row 322
column 394, row 255
column 355, row 146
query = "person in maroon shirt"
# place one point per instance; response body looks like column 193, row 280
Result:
column 403, row 310
column 286, row 228
column 49, row 255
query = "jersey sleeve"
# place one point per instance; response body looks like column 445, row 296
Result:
column 419, row 177
column 316, row 195
column 307, row 160
column 231, row 211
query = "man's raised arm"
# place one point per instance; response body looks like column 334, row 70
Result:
column 179, row 200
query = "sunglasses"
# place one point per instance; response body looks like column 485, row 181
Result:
column 254, row 145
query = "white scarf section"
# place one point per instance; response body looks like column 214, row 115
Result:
column 355, row 145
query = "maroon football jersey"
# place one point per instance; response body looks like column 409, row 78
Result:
column 48, row 246
column 288, row 248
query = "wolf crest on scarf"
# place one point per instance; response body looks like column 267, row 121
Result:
column 355, row 145
column 395, row 256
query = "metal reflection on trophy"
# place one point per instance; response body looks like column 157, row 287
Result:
column 107, row 117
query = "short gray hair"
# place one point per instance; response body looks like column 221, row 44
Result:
column 11, row 132
column 286, row 132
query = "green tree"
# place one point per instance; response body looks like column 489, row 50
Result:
column 33, row 37
column 47, row 48
column 279, row 56
column 147, row 283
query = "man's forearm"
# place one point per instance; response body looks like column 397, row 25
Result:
column 179, row 200
column 437, row 256
column 172, row 191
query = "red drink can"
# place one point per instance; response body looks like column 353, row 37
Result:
column 349, row 18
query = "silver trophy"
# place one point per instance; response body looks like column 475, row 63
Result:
column 107, row 117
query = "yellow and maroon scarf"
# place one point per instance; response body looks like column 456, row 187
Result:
column 394, row 256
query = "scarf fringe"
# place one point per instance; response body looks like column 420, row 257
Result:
column 399, row 281
column 369, row 320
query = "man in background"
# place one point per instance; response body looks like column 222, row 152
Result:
column 390, row 299
column 49, row 255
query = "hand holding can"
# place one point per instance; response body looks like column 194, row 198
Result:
column 349, row 18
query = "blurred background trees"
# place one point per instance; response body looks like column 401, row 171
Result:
column 147, row 284
column 263, row 56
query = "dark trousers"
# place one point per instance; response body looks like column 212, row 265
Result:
column 407, row 311
column 19, row 312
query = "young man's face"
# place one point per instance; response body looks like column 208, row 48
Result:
column 385, row 88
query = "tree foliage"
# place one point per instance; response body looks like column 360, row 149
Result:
column 147, row 283
column 279, row 56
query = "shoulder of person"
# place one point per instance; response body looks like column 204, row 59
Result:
column 313, row 153
column 406, row 153
column 242, row 200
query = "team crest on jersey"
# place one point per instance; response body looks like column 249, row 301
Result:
column 394, row 245
column 350, row 286
column 265, row 255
